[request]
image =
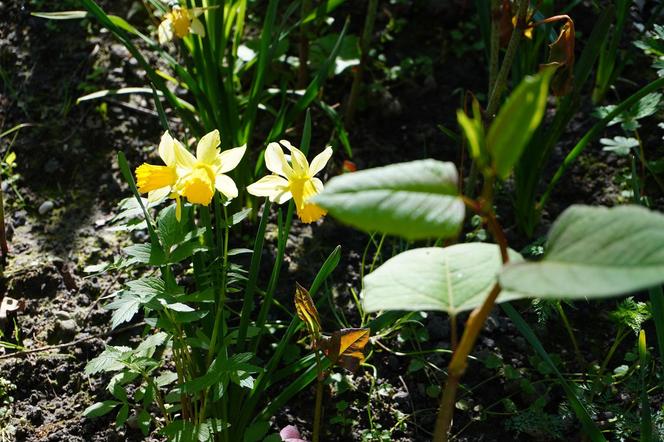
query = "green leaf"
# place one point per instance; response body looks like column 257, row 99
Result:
column 122, row 416
column 145, row 254
column 595, row 252
column 170, row 230
column 143, row 422
column 416, row 200
column 108, row 360
column 257, row 431
column 148, row 345
column 473, row 129
column 452, row 279
column 100, row 408
column 124, row 308
column 61, row 15
column 517, row 120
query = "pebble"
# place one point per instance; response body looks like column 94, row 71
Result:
column 46, row 207
column 64, row 330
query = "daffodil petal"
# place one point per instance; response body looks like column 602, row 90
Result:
column 319, row 162
column 272, row 186
column 229, row 159
column 196, row 27
column 183, row 157
column 206, row 151
column 165, row 31
column 275, row 160
column 318, row 185
column 226, row 186
column 298, row 160
column 158, row 195
column 166, row 151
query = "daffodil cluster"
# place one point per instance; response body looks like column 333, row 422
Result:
column 184, row 175
column 196, row 178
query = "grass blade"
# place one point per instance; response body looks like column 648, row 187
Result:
column 580, row 410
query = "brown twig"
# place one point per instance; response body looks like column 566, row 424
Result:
column 72, row 343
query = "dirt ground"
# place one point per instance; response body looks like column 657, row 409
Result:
column 59, row 212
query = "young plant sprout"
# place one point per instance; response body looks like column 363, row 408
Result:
column 292, row 179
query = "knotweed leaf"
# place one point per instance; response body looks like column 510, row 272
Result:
column 415, row 200
column 595, row 252
column 452, row 279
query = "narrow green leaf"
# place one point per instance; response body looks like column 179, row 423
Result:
column 589, row 427
column 517, row 120
column 415, row 200
column 595, row 252
column 61, row 15
column 452, row 279
column 100, row 408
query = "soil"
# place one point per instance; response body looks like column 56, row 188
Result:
column 68, row 185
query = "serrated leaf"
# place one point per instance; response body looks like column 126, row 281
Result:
column 452, row 279
column 145, row 254
column 595, row 252
column 416, row 200
column 100, row 408
column 517, row 120
column 108, row 360
column 143, row 421
column 124, row 308
column 121, row 418
column 148, row 345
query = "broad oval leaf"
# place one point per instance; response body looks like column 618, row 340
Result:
column 452, row 279
column 517, row 120
column 595, row 252
column 415, row 200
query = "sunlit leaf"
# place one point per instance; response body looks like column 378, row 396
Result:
column 346, row 347
column 416, row 200
column 451, row 279
column 306, row 311
column 594, row 252
column 517, row 120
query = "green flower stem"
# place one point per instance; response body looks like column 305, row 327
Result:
column 494, row 53
column 506, row 66
column 318, row 410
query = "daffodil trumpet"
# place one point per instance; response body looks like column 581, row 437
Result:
column 292, row 179
column 181, row 22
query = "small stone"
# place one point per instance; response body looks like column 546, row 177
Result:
column 46, row 207
column 62, row 315
column 64, row 330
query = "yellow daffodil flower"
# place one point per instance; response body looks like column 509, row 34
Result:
column 158, row 181
column 292, row 180
column 179, row 23
column 199, row 176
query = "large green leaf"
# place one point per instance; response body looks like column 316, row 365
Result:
column 595, row 252
column 415, row 200
column 452, row 279
column 517, row 120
